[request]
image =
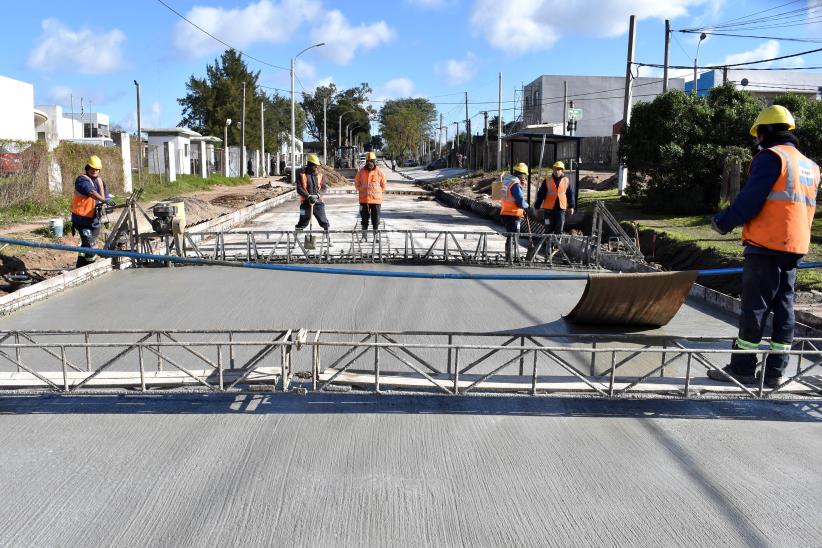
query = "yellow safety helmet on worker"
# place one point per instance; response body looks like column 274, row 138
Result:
column 313, row 159
column 521, row 167
column 370, row 156
column 775, row 114
column 94, row 162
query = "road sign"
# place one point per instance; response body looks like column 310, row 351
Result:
column 575, row 114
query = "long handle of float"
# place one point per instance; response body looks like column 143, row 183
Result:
column 296, row 268
column 343, row 271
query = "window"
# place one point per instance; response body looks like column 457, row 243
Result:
column 186, row 150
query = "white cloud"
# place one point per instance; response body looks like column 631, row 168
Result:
column 83, row 51
column 342, row 40
column 519, row 26
column 263, row 21
column 60, row 95
column 649, row 72
column 396, row 88
column 767, row 50
column 458, row 71
column 305, row 70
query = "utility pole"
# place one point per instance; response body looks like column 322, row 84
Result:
column 565, row 107
column 439, row 141
column 139, row 135
column 499, row 124
column 72, row 110
column 242, row 138
column 325, row 131
column 264, row 170
column 724, row 75
column 571, row 122
column 485, row 132
column 626, row 110
column 667, row 47
column 468, row 135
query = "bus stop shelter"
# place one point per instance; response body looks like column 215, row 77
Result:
column 534, row 148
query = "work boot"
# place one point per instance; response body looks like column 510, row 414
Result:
column 364, row 236
column 742, row 379
column 771, row 381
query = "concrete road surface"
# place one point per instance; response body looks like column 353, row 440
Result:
column 258, row 470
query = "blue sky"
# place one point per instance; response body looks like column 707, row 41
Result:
column 431, row 48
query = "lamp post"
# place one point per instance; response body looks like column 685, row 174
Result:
column 701, row 38
column 225, row 145
column 293, row 119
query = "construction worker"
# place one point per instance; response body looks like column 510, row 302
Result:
column 310, row 187
column 512, row 208
column 556, row 197
column 89, row 192
column 776, row 208
column 370, row 183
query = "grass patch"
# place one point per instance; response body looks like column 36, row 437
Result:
column 155, row 188
column 56, row 206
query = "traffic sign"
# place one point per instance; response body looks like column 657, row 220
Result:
column 575, row 114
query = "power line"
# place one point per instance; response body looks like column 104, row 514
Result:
column 201, row 29
column 751, row 14
column 781, row 38
column 746, row 21
column 739, row 64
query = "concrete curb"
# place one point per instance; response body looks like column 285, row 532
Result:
column 73, row 278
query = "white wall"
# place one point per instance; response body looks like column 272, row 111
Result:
column 182, row 161
column 16, row 110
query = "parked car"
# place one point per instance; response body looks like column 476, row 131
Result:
column 11, row 161
column 439, row 163
column 410, row 162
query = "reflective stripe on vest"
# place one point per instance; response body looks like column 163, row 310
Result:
column 304, row 184
column 86, row 206
column 508, row 205
column 369, row 185
column 784, row 223
column 555, row 191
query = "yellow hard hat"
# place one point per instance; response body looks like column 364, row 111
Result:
column 370, row 156
column 558, row 165
column 776, row 114
column 313, row 159
column 94, row 162
column 521, row 167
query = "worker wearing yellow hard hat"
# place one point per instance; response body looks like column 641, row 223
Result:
column 775, row 208
column 90, row 194
column 556, row 197
column 512, row 208
column 310, row 188
column 370, row 184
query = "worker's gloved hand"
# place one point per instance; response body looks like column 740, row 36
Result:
column 716, row 228
column 110, row 202
column 313, row 199
column 525, row 205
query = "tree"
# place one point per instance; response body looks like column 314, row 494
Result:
column 808, row 115
column 352, row 103
column 219, row 95
column 405, row 123
column 676, row 145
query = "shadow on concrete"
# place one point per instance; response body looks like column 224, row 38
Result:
column 364, row 403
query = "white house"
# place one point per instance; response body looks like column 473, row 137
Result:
column 17, row 115
column 95, row 124
column 203, row 156
column 58, row 127
column 169, row 150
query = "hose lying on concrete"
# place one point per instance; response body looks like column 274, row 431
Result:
column 346, row 271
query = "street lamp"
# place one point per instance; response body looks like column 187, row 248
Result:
column 293, row 120
column 225, row 145
column 701, row 38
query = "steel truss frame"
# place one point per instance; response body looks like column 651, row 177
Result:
column 449, row 363
column 389, row 246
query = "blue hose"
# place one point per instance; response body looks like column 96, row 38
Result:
column 347, row 271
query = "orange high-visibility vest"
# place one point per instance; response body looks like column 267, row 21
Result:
column 509, row 205
column 304, row 184
column 85, row 206
column 370, row 185
column 555, row 191
column 784, row 223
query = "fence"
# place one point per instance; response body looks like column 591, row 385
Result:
column 528, row 363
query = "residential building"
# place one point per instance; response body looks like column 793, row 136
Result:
column 765, row 84
column 601, row 99
column 17, row 114
column 95, row 124
column 170, row 146
column 58, row 127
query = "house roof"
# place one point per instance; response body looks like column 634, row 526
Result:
column 184, row 131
